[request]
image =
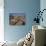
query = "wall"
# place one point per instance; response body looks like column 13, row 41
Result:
column 43, row 6
column 29, row 7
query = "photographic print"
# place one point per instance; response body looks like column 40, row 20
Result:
column 17, row 19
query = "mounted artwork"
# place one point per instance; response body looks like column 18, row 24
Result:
column 17, row 19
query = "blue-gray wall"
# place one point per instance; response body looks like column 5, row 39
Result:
column 29, row 7
column 43, row 6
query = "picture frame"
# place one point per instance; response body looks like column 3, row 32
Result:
column 17, row 19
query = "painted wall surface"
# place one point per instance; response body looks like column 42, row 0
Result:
column 43, row 6
column 29, row 7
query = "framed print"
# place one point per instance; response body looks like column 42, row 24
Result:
column 17, row 19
